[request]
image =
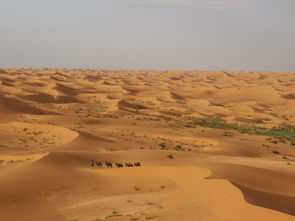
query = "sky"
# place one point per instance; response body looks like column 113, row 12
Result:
column 256, row 35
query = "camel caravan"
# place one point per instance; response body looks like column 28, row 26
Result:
column 100, row 164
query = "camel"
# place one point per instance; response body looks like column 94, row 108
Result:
column 137, row 164
column 98, row 163
column 128, row 164
column 109, row 164
column 119, row 164
column 91, row 163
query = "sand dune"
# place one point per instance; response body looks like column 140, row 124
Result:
column 27, row 137
column 53, row 122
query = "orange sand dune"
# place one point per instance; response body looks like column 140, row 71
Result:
column 53, row 122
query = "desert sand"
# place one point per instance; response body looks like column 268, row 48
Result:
column 54, row 121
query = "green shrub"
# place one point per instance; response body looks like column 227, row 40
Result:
column 286, row 132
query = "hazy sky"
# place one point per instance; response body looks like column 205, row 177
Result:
column 148, row 34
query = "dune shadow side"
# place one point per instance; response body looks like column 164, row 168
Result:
column 281, row 203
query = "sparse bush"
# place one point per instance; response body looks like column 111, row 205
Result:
column 272, row 140
column 178, row 147
column 226, row 134
column 275, row 152
column 114, row 213
column 136, row 188
column 162, row 145
column 150, row 217
column 170, row 156
column 150, row 203
column 36, row 133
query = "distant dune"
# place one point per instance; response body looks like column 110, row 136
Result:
column 213, row 146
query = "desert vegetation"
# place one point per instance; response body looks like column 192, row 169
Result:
column 284, row 132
